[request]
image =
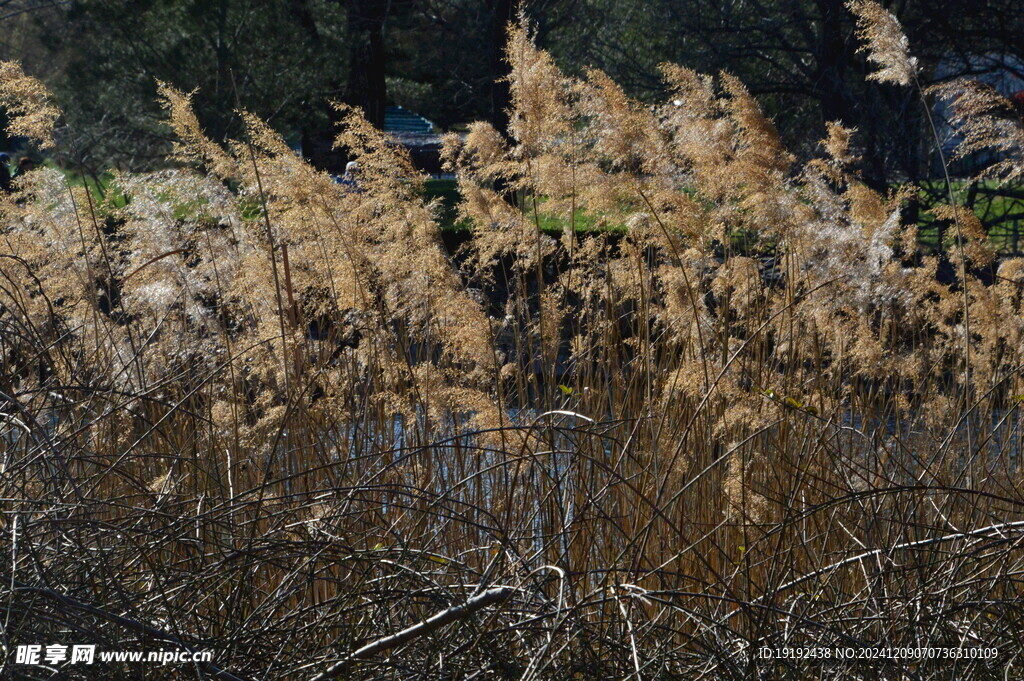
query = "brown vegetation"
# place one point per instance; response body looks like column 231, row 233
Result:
column 265, row 414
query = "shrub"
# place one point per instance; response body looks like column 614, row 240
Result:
column 253, row 411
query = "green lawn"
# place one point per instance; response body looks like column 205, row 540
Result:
column 99, row 186
column 448, row 193
column 1002, row 213
column 1000, row 210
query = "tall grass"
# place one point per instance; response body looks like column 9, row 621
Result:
column 248, row 410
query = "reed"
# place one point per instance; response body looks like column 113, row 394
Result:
column 249, row 410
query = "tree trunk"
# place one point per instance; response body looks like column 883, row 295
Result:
column 502, row 12
column 831, row 48
column 367, row 87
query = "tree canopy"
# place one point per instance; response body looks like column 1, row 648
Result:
column 285, row 60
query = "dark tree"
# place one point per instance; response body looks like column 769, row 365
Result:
column 367, row 86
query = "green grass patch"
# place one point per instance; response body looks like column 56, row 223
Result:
column 1001, row 211
column 101, row 187
column 446, row 192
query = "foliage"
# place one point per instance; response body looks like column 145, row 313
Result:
column 251, row 410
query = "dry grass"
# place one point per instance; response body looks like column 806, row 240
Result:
column 252, row 411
